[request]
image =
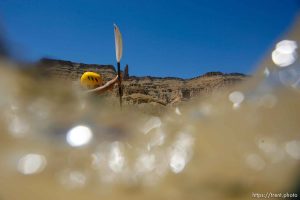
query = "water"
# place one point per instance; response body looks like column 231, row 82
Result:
column 57, row 143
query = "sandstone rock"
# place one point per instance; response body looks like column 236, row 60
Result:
column 144, row 90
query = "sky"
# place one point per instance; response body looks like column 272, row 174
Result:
column 164, row 38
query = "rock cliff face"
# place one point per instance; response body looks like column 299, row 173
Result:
column 139, row 90
column 73, row 71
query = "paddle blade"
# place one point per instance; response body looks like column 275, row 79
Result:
column 118, row 43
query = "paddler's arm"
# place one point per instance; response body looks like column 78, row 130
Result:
column 108, row 85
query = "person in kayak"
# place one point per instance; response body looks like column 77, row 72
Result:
column 93, row 82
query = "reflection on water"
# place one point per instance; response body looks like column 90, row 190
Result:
column 116, row 160
column 79, row 135
column 180, row 152
column 31, row 164
column 255, row 162
column 72, row 179
column 236, row 98
column 59, row 143
column 285, row 53
column 293, row 149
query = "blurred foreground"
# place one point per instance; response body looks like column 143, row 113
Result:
column 58, row 143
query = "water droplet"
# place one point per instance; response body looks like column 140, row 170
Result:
column 116, row 158
column 266, row 72
column 236, row 98
column 177, row 111
column 255, row 162
column 18, row 127
column 96, row 160
column 79, row 136
column 285, row 53
column 157, row 139
column 177, row 161
column 288, row 76
column 293, row 149
column 181, row 152
column 31, row 164
column 268, row 101
column 153, row 122
column 145, row 163
column 73, row 179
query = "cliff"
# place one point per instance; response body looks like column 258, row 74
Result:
column 138, row 90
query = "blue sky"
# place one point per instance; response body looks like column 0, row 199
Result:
column 161, row 37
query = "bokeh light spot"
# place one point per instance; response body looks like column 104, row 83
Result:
column 79, row 136
column 293, row 149
column 153, row 122
column 31, row 164
column 236, row 98
column 255, row 162
column 285, row 53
